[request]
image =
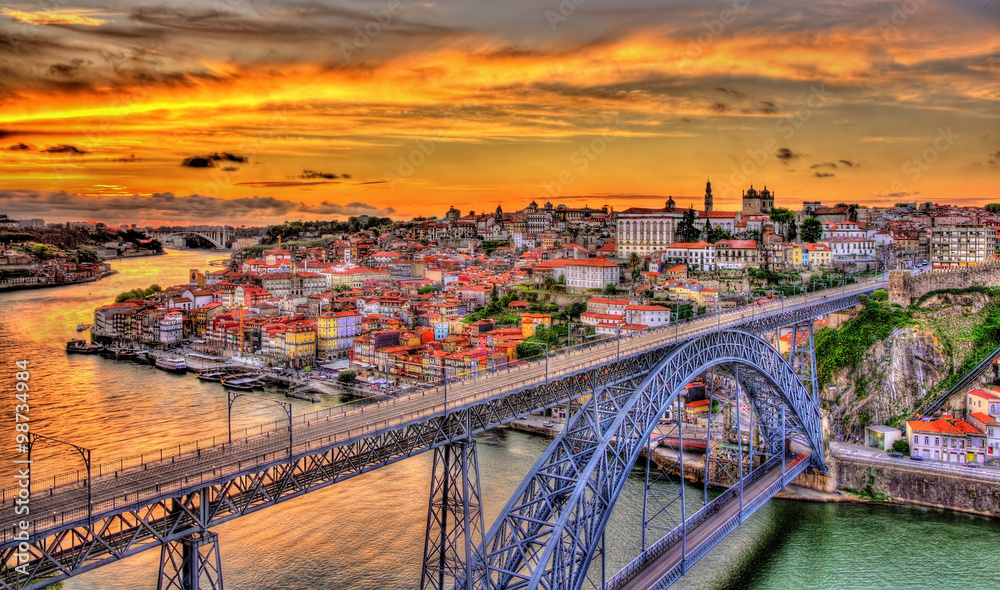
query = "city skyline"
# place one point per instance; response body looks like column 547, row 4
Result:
column 256, row 112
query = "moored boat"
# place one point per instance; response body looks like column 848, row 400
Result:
column 171, row 364
column 82, row 327
column 212, row 375
column 83, row 347
column 240, row 384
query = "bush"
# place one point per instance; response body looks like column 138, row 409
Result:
column 347, row 377
column 901, row 446
column 528, row 349
column 880, row 295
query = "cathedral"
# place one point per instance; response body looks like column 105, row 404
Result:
column 757, row 202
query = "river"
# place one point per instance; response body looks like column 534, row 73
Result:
column 367, row 532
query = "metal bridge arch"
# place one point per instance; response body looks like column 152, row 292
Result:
column 214, row 242
column 547, row 534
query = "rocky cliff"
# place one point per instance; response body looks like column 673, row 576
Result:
column 897, row 374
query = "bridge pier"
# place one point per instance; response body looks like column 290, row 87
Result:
column 455, row 524
column 191, row 563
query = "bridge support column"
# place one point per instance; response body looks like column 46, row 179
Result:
column 454, row 518
column 802, row 355
column 192, row 563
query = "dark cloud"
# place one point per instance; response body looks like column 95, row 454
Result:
column 823, row 174
column 197, row 162
column 210, row 160
column 823, row 165
column 786, row 155
column 128, row 158
column 849, row 163
column 62, row 205
column 732, row 92
column 327, row 208
column 19, row 147
column 720, row 107
column 64, row 149
column 993, row 159
column 767, row 107
column 283, row 183
column 69, row 69
column 230, row 169
column 308, row 174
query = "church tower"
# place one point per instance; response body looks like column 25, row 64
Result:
column 670, row 202
column 708, row 196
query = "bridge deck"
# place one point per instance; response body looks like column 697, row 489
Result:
column 660, row 572
column 115, row 489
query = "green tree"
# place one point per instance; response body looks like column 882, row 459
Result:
column 43, row 252
column 901, row 445
column 634, row 261
column 719, row 233
column 793, row 232
column 575, row 309
column 687, row 229
column 427, row 289
column 781, row 218
column 528, row 349
column 880, row 295
column 812, row 230
column 87, row 255
column 993, row 207
column 347, row 377
column 548, row 282
column 610, row 289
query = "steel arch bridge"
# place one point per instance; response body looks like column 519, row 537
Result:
column 171, row 501
column 218, row 236
column 548, row 533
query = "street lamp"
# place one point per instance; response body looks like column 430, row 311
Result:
column 84, row 453
column 235, row 395
column 546, row 345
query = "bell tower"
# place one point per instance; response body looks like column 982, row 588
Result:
column 708, row 196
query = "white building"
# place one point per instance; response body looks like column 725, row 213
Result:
column 691, row 253
column 591, row 273
column 643, row 230
column 847, row 249
column 648, row 315
column 963, row 244
column 172, row 327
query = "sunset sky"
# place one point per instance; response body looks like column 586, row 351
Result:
column 258, row 111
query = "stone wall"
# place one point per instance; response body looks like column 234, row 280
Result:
column 972, row 492
column 903, row 286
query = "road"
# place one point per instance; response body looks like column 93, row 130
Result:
column 930, row 465
column 129, row 480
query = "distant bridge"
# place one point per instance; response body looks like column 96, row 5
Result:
column 547, row 536
column 219, row 235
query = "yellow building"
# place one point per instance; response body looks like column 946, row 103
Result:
column 531, row 321
column 300, row 341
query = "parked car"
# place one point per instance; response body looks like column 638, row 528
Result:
column 972, row 465
column 548, row 424
column 916, row 458
column 896, row 455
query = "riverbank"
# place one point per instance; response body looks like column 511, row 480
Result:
column 29, row 286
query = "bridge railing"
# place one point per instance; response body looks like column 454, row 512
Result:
column 468, row 392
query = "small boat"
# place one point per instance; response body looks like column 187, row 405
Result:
column 211, row 375
column 82, row 327
column 171, row 364
column 128, row 354
column 83, row 347
column 240, row 384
